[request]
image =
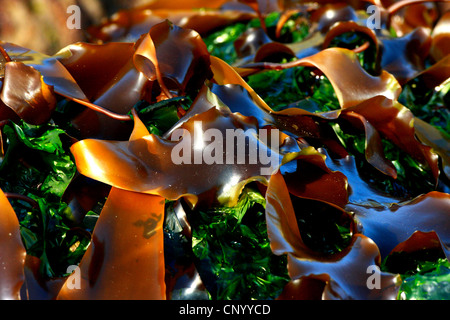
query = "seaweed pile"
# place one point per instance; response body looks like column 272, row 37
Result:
column 353, row 97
